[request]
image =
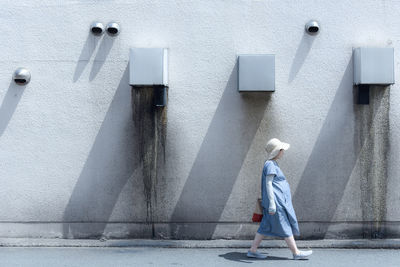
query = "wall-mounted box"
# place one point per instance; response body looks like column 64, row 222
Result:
column 373, row 65
column 148, row 66
column 256, row 73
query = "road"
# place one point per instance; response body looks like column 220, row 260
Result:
column 146, row 256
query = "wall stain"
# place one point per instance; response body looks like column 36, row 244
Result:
column 150, row 124
column 372, row 127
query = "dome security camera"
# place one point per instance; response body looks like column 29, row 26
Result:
column 97, row 28
column 21, row 76
column 113, row 29
column 312, row 27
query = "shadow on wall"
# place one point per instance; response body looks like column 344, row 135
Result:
column 86, row 53
column 301, row 54
column 333, row 158
column 218, row 162
column 101, row 56
column 9, row 104
column 88, row 48
column 109, row 166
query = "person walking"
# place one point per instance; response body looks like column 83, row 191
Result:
column 279, row 218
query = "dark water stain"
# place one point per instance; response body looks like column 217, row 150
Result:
column 373, row 127
column 150, row 124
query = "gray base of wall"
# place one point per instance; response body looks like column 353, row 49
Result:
column 308, row 230
column 196, row 231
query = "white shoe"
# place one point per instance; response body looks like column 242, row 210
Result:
column 256, row 255
column 303, row 254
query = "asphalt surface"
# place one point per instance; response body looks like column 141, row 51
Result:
column 115, row 257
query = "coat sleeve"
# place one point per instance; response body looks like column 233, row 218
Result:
column 269, row 168
column 270, row 193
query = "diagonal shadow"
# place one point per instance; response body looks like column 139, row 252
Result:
column 86, row 53
column 110, row 164
column 333, row 158
column 301, row 54
column 9, row 104
column 101, row 56
column 218, row 162
column 332, row 150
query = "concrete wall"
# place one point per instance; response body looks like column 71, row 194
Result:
column 84, row 155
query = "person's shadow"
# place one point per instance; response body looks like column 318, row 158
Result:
column 242, row 257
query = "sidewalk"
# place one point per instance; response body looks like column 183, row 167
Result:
column 325, row 243
column 155, row 256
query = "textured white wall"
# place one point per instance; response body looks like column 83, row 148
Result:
column 67, row 146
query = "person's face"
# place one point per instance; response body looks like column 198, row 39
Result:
column 280, row 154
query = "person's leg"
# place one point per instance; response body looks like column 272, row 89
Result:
column 292, row 244
column 252, row 253
column 256, row 242
column 297, row 254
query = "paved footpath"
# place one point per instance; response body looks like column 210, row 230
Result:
column 150, row 256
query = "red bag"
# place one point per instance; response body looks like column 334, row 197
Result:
column 257, row 215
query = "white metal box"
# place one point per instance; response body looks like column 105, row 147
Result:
column 256, row 72
column 148, row 66
column 373, row 65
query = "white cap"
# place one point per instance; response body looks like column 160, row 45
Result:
column 274, row 146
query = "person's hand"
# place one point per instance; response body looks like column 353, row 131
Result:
column 271, row 210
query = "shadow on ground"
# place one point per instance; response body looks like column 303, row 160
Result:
column 241, row 257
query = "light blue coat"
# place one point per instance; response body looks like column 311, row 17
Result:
column 284, row 222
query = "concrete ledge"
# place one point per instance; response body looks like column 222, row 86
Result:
column 325, row 243
column 189, row 230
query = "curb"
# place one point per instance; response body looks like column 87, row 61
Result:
column 221, row 243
